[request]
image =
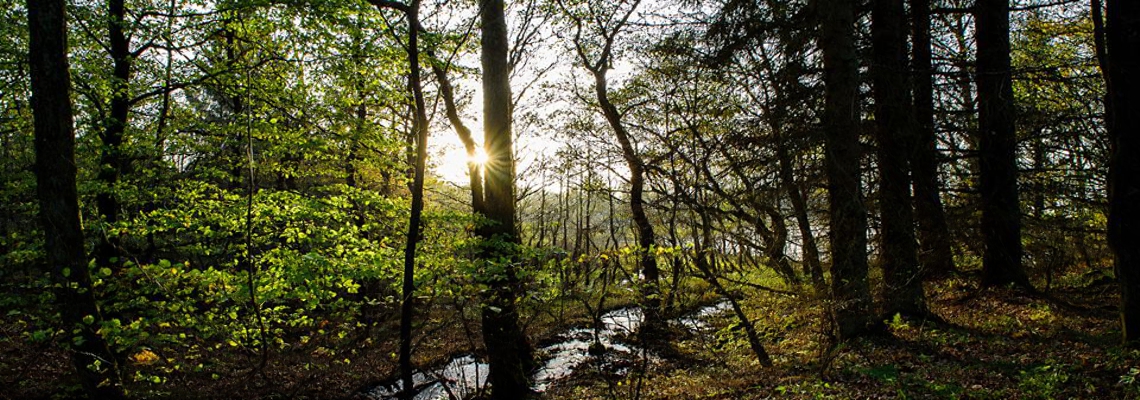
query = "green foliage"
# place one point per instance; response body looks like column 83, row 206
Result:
column 1043, row 381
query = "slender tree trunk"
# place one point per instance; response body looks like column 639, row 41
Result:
column 112, row 162
column 935, row 253
column 541, row 241
column 895, row 131
column 646, row 239
column 75, row 297
column 850, row 290
column 611, row 26
column 1122, row 38
column 776, row 245
column 564, row 215
column 420, row 129
column 812, row 265
column 703, row 253
column 997, row 148
column 474, row 170
column 787, row 89
column 509, row 351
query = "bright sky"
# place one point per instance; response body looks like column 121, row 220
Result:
column 447, row 157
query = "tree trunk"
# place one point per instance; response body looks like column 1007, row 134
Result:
column 1122, row 38
column 420, row 128
column 646, row 239
column 894, row 131
column 777, row 243
column 509, row 351
column 935, row 253
column 55, row 170
column 812, row 265
column 848, row 215
column 474, row 170
column 703, row 253
column 997, row 148
column 112, row 162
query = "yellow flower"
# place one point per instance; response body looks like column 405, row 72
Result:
column 144, row 357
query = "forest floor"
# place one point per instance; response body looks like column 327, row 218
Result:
column 993, row 344
column 997, row 344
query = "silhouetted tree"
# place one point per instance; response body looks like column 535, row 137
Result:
column 55, row 170
column 1122, row 38
column 848, row 215
column 508, row 349
column 997, row 148
column 895, row 133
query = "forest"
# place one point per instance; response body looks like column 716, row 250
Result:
column 569, row 199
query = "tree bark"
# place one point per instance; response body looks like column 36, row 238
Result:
column 812, row 265
column 1122, row 38
column 92, row 358
column 420, row 129
column 935, row 252
column 646, row 238
column 848, row 215
column 509, row 351
column 997, row 148
column 112, row 162
column 895, row 133
column 474, row 170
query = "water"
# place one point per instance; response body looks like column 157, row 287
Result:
column 466, row 376
column 698, row 321
column 461, row 378
column 567, row 355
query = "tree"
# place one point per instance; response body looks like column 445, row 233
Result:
column 509, row 351
column 848, row 216
column 1122, row 38
column 997, row 148
column 92, row 358
column 895, row 132
column 112, row 162
column 598, row 65
column 420, row 128
column 935, row 253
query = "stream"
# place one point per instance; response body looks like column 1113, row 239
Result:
column 465, row 376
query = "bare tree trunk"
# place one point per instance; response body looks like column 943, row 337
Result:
column 812, row 265
column 474, row 170
column 646, row 240
column 420, row 128
column 542, row 213
column 1122, row 38
column 895, row 132
column 997, row 148
column 935, row 253
column 850, row 290
column 509, row 352
column 55, row 169
column 112, row 162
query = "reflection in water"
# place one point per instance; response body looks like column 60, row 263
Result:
column 465, row 376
